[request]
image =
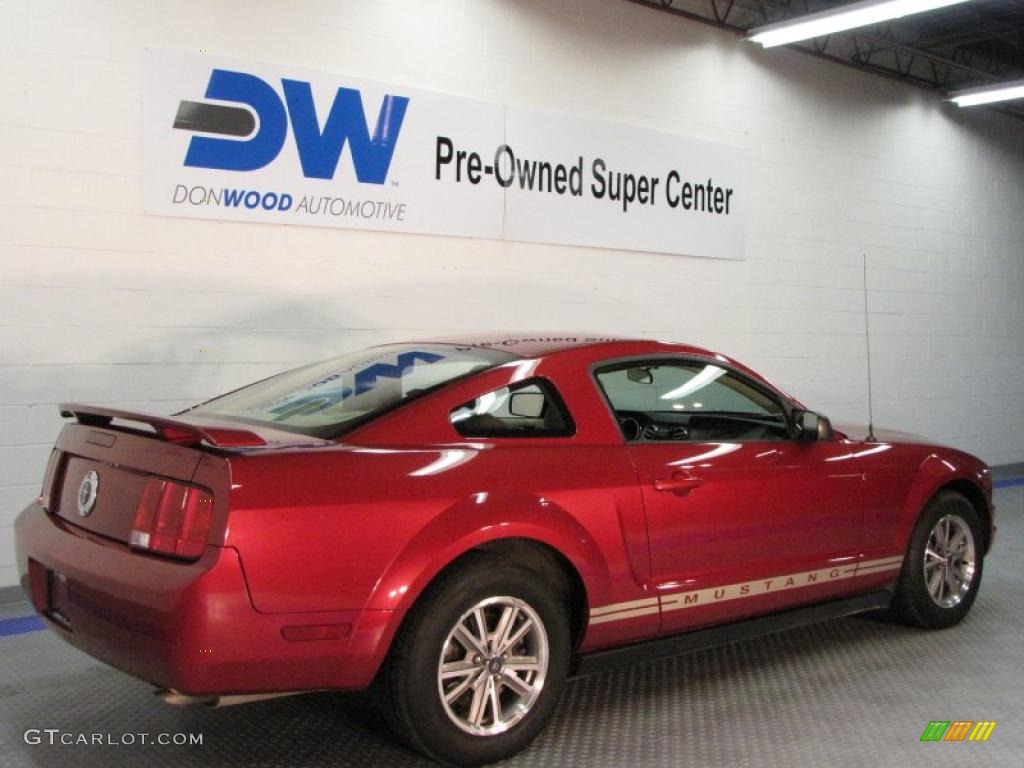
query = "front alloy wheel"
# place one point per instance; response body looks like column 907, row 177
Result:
column 942, row 570
column 949, row 562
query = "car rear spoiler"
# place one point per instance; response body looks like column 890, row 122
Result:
column 169, row 429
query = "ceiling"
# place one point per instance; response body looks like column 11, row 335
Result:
column 976, row 43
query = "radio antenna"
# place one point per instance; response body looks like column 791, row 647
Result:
column 867, row 345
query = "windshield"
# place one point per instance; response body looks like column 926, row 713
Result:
column 329, row 398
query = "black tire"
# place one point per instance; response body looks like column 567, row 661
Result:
column 409, row 682
column 913, row 603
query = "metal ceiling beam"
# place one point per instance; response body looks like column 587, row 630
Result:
column 973, row 59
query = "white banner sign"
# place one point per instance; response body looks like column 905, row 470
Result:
column 254, row 142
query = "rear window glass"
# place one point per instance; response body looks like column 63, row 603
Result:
column 329, row 398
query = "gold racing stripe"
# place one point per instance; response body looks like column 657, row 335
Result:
column 898, row 559
column 626, row 610
column 625, row 614
column 753, row 588
column 615, row 607
column 880, row 566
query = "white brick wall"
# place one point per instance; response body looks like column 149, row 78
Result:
column 101, row 303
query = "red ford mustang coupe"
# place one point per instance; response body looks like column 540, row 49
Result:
column 464, row 524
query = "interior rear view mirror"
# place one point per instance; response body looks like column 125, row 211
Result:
column 528, row 405
column 640, row 375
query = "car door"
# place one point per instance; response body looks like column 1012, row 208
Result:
column 742, row 517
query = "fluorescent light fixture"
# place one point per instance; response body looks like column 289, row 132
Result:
column 971, row 97
column 839, row 19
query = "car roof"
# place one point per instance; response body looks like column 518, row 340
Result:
column 541, row 343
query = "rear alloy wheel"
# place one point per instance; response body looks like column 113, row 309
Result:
column 492, row 668
column 942, row 571
column 479, row 664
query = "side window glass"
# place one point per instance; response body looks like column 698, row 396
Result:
column 527, row 409
column 690, row 401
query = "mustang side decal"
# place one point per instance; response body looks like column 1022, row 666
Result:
column 676, row 600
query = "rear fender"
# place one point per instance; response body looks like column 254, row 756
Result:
column 477, row 520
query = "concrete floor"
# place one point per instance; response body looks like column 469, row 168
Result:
column 853, row 692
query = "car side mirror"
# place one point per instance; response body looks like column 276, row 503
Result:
column 808, row 425
column 528, row 405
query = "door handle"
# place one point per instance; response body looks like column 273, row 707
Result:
column 678, row 483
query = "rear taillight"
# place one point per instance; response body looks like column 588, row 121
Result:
column 46, row 495
column 172, row 519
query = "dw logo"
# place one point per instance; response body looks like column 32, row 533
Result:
column 364, row 380
column 319, row 149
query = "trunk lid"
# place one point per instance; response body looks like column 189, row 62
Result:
column 99, row 475
column 102, row 464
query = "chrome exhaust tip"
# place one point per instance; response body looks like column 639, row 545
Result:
column 176, row 699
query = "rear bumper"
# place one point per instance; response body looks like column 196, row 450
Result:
column 186, row 626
